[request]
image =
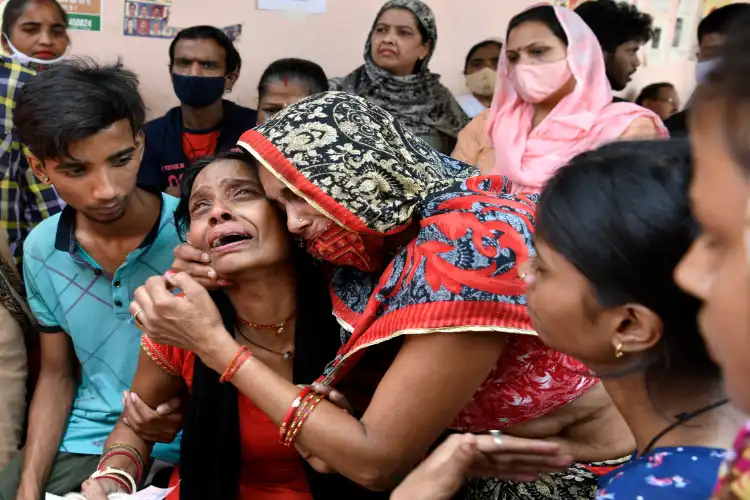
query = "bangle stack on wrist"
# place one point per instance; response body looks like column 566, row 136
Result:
column 120, row 476
column 300, row 410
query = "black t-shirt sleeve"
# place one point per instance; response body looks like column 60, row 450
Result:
column 150, row 172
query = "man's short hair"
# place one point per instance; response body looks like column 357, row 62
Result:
column 652, row 92
column 720, row 20
column 74, row 100
column 616, row 23
column 233, row 58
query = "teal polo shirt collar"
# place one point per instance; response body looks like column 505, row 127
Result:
column 65, row 240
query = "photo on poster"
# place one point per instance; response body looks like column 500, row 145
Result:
column 147, row 19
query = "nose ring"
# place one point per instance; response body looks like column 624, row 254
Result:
column 301, row 219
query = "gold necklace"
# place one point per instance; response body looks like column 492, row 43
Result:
column 279, row 327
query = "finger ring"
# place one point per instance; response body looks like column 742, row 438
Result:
column 496, row 437
column 135, row 316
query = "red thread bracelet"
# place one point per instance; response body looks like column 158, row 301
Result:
column 241, row 361
column 229, row 368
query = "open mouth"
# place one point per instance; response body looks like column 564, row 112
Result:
column 229, row 240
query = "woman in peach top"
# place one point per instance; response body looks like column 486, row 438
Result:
column 552, row 102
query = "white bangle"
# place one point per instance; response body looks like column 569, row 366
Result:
column 110, row 471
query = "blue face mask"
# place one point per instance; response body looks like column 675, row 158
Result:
column 198, row 91
column 704, row 68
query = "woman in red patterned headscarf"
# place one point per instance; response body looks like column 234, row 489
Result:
column 426, row 287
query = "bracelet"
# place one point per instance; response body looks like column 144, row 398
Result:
column 292, row 411
column 298, row 419
column 241, row 361
column 125, row 453
column 293, row 436
column 305, row 401
column 116, row 479
column 130, row 449
column 110, row 471
column 230, row 367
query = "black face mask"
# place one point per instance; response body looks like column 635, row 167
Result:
column 198, row 91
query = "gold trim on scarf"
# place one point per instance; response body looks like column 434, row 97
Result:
column 346, row 326
column 292, row 187
column 424, row 331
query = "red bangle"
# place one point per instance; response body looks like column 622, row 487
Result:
column 229, row 368
column 292, row 412
column 124, row 453
column 305, row 414
column 118, row 480
column 228, row 376
column 300, row 412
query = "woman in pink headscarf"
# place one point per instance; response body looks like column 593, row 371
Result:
column 552, row 102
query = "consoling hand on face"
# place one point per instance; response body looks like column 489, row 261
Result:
column 197, row 264
column 190, row 321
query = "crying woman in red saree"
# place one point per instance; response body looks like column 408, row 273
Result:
column 425, row 284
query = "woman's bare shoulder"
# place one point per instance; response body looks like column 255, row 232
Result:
column 643, row 127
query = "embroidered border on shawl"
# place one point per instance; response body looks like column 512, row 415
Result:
column 157, row 356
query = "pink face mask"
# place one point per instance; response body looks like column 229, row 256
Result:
column 536, row 82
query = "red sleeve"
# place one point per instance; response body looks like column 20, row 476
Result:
column 170, row 359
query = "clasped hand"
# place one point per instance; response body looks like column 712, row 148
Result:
column 190, row 320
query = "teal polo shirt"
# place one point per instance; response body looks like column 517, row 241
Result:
column 69, row 292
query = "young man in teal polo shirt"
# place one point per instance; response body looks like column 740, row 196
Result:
column 83, row 125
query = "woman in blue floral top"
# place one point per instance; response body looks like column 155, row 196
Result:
column 611, row 228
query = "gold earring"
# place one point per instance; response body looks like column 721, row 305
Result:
column 618, row 351
column 46, row 179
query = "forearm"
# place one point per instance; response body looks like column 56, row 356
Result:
column 50, row 408
column 332, row 435
column 402, row 421
column 13, row 374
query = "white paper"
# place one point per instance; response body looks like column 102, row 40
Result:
column 150, row 493
column 299, row 6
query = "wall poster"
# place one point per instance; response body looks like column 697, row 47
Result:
column 147, row 18
column 83, row 15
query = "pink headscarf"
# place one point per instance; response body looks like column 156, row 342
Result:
column 582, row 120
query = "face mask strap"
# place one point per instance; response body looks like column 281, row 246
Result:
column 24, row 59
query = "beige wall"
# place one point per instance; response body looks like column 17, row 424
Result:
column 334, row 40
